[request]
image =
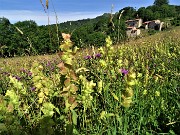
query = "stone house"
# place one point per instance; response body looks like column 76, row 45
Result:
column 133, row 32
column 155, row 24
column 134, row 23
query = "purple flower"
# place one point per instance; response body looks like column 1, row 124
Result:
column 29, row 73
column 88, row 57
column 18, row 78
column 124, row 71
column 98, row 55
column 33, row 88
column 23, row 70
column 6, row 73
column 48, row 63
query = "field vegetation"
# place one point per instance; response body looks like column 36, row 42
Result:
column 127, row 87
column 130, row 88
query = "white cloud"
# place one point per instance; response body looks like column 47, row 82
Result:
column 41, row 18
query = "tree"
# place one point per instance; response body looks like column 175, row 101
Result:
column 161, row 2
column 129, row 13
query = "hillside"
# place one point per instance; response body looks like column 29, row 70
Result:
column 130, row 88
column 27, row 38
column 172, row 34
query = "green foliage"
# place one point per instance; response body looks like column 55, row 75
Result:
column 176, row 21
column 161, row 2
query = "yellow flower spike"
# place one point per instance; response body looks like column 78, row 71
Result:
column 127, row 102
column 157, row 93
column 103, row 63
column 101, row 50
column 103, row 114
column 119, row 63
column 145, row 92
column 91, row 85
column 131, row 83
column 115, row 96
column 100, row 86
column 36, row 78
column 129, row 92
column 139, row 75
column 108, row 41
column 40, row 67
column 41, row 95
column 126, row 62
column 132, row 75
column 38, row 85
column 75, row 49
column 46, row 91
column 40, row 100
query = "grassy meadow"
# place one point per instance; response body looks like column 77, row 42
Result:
column 126, row 89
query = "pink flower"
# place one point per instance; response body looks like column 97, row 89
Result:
column 124, row 71
column 66, row 36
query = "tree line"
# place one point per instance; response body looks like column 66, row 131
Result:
column 27, row 38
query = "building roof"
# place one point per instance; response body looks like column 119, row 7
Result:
column 130, row 20
column 147, row 22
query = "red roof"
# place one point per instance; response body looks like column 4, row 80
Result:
column 129, row 20
column 147, row 22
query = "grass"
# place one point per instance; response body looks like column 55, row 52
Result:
column 131, row 88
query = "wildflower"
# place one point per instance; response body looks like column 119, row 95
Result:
column 33, row 88
column 144, row 92
column 124, row 71
column 23, row 70
column 88, row 57
column 108, row 41
column 103, row 63
column 131, row 83
column 119, row 63
column 66, row 36
column 98, row 55
column 29, row 73
column 157, row 93
column 18, row 78
column 132, row 75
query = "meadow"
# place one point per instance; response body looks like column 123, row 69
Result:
column 130, row 88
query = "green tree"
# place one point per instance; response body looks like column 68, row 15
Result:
column 129, row 13
column 161, row 2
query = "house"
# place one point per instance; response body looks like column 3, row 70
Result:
column 155, row 24
column 134, row 23
column 132, row 32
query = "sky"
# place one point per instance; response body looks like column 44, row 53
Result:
column 66, row 10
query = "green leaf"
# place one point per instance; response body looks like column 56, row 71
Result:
column 2, row 127
column 110, row 114
column 74, row 117
column 69, row 129
column 57, row 110
column 47, row 109
column 115, row 97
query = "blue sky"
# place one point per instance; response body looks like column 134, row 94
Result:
column 67, row 10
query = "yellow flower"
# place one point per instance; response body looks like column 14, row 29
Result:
column 144, row 92
column 103, row 63
column 131, row 83
column 157, row 93
column 119, row 62
column 132, row 75
column 127, row 102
